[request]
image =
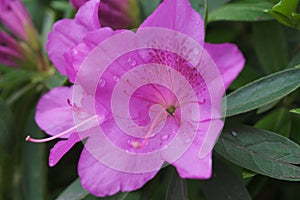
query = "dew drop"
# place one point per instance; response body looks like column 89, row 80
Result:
column 116, row 78
column 131, row 62
column 202, row 101
column 196, row 51
column 165, row 137
column 234, row 134
column 102, row 82
column 188, row 140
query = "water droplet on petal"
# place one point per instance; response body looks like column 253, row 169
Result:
column 116, row 78
column 196, row 51
column 202, row 101
column 129, row 141
column 102, row 82
column 131, row 62
column 165, row 137
column 188, row 140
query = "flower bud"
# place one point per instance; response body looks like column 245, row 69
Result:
column 15, row 17
column 117, row 14
column 10, row 53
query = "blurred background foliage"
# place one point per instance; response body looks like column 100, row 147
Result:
column 258, row 153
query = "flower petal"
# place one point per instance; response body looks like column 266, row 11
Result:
column 177, row 15
column 197, row 164
column 101, row 180
column 228, row 59
column 87, row 15
column 60, row 40
column 61, row 148
column 53, row 114
column 77, row 54
column 15, row 17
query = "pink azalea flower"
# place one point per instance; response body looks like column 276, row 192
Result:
column 139, row 98
column 9, row 50
column 14, row 16
column 94, row 15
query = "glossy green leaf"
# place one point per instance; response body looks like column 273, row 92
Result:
column 286, row 7
column 278, row 121
column 285, row 12
column 261, row 151
column 226, row 183
column 297, row 111
column 177, row 188
column 262, row 91
column 273, row 56
column 242, row 10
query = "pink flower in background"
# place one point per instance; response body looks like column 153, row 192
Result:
column 139, row 98
column 77, row 3
column 116, row 14
column 10, row 52
column 15, row 17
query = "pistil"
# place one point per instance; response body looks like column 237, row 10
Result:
column 28, row 138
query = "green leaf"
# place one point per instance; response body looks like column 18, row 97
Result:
column 226, row 183
column 271, row 49
column 200, row 6
column 48, row 21
column 7, row 153
column 295, row 136
column 55, row 80
column 297, row 111
column 74, row 191
column 261, row 151
column 285, row 12
column 243, row 10
column 262, row 91
column 246, row 76
column 214, row 4
column 177, row 188
column 248, row 174
column 295, row 60
column 34, row 163
column 286, row 7
column 148, row 7
column 270, row 46
column 267, row 107
column 278, row 121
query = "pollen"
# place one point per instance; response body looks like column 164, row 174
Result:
column 135, row 144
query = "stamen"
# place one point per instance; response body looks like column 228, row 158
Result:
column 69, row 102
column 74, row 106
column 28, row 138
column 136, row 144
